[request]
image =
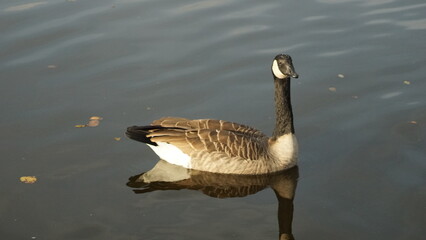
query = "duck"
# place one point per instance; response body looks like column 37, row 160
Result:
column 225, row 147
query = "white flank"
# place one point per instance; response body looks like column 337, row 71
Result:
column 172, row 154
column 276, row 70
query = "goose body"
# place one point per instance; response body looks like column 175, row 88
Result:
column 226, row 147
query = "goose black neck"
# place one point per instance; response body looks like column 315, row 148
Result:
column 283, row 110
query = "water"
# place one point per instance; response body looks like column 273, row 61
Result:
column 361, row 133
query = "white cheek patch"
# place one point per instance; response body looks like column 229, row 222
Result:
column 276, row 70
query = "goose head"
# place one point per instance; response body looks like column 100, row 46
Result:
column 282, row 67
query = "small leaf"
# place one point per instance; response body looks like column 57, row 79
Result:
column 95, row 118
column 407, row 82
column 340, row 75
column 332, row 89
column 28, row 179
column 93, row 123
column 117, row 138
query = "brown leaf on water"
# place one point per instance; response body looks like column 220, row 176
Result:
column 117, row 138
column 93, row 123
column 413, row 122
column 332, row 89
column 28, row 179
column 95, row 118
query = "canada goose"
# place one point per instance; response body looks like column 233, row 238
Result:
column 226, row 147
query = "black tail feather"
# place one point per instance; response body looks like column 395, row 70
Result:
column 138, row 133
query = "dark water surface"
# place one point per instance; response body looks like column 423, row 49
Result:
column 362, row 133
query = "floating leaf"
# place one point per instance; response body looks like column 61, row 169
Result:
column 413, row 122
column 28, row 179
column 95, row 118
column 93, row 123
column 332, row 89
column 51, row 66
column 117, row 138
column 340, row 75
column 407, row 82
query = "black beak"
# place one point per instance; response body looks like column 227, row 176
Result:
column 288, row 69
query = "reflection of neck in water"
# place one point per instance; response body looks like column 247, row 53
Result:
column 285, row 189
column 166, row 176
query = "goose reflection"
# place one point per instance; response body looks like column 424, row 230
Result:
column 166, row 176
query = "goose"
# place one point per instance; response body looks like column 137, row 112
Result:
column 226, row 147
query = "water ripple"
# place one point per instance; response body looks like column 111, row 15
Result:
column 197, row 6
column 23, row 7
column 396, row 9
column 413, row 24
column 51, row 50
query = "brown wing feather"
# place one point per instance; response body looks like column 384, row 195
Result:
column 233, row 144
column 211, row 124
